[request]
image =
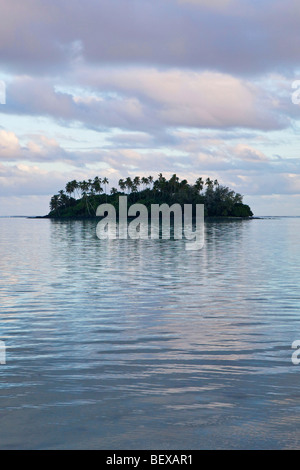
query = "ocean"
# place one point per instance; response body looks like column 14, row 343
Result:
column 141, row 344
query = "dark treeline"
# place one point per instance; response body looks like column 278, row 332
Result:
column 81, row 198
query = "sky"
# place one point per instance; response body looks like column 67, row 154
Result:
column 121, row 88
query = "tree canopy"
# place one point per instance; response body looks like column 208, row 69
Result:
column 81, row 198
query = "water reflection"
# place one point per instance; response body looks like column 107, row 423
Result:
column 143, row 344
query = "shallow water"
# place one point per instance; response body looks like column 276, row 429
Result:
column 127, row 344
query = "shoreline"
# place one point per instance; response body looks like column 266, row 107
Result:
column 207, row 218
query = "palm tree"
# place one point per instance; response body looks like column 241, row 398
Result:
column 173, row 182
column 122, row 184
column 63, row 199
column 129, row 183
column 91, row 187
column 150, row 180
column 105, row 182
column 136, row 183
column 54, row 203
column 199, row 185
column 113, row 191
column 160, row 183
column 145, row 181
column 209, row 183
column 84, row 186
column 97, row 185
column 71, row 187
column 183, row 185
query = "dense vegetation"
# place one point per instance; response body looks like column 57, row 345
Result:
column 81, row 199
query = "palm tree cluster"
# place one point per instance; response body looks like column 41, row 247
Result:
column 132, row 185
column 219, row 200
column 82, row 189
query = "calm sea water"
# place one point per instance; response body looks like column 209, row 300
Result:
column 144, row 345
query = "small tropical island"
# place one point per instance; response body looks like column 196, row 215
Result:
column 80, row 199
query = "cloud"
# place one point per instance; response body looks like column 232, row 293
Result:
column 245, row 152
column 148, row 100
column 191, row 154
column 227, row 36
column 9, row 145
column 195, row 87
column 39, row 149
column 24, row 180
column 31, row 180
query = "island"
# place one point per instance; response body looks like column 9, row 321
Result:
column 80, row 199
